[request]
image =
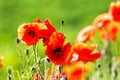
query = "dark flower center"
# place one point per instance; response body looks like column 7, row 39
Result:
column 58, row 49
column 118, row 12
column 32, row 33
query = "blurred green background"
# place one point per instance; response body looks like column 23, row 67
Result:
column 75, row 13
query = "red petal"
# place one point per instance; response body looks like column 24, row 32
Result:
column 37, row 20
column 67, row 54
column 95, row 56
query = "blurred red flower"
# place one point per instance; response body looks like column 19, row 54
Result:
column 86, row 34
column 56, row 50
column 115, row 11
column 83, row 52
column 76, row 71
column 119, row 58
column 101, row 21
column 107, row 28
column 35, row 77
column 1, row 58
column 29, row 32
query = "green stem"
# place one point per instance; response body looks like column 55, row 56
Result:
column 62, row 23
column 37, row 63
column 35, row 54
column 60, row 71
column 39, row 70
column 98, row 78
column 45, row 72
column 21, row 57
column 53, row 69
column 109, row 55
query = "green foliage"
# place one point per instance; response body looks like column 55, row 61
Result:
column 75, row 13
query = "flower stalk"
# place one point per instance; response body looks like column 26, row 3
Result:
column 62, row 24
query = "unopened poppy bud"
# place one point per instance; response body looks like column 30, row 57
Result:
column 62, row 22
column 110, row 65
column 39, row 63
column 23, row 72
column 47, row 59
column 33, row 68
column 27, row 52
column 99, row 66
column 116, row 74
column 18, row 41
column 9, row 72
column 9, row 77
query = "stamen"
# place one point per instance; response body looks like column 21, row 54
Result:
column 118, row 13
column 32, row 33
column 58, row 49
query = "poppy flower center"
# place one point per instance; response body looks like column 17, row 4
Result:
column 58, row 49
column 118, row 12
column 31, row 33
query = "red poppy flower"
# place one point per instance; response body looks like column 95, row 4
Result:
column 108, row 28
column 83, row 52
column 47, row 33
column 56, row 50
column 29, row 32
column 101, row 21
column 76, row 71
column 86, row 34
column 115, row 11
column 112, row 31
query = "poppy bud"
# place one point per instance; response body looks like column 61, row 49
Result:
column 27, row 52
column 18, row 41
column 47, row 59
column 23, row 72
column 116, row 74
column 99, row 66
column 33, row 68
column 39, row 63
column 9, row 72
column 62, row 22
